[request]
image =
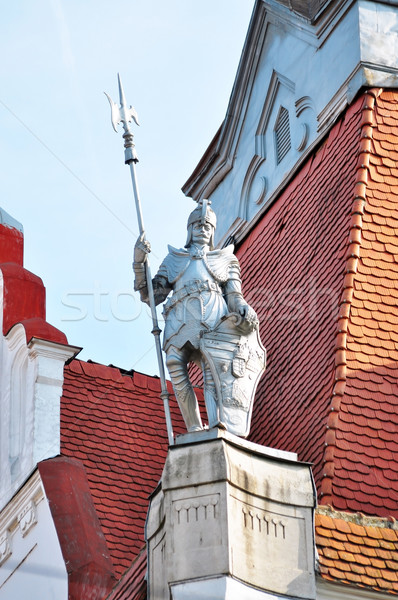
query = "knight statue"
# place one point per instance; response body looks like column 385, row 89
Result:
column 207, row 322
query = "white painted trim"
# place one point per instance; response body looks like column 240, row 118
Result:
column 241, row 221
column 39, row 347
column 241, row 228
column 5, row 546
column 264, row 13
column 50, row 359
column 32, row 566
column 204, row 184
column 277, row 80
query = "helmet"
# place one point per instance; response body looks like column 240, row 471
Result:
column 204, row 214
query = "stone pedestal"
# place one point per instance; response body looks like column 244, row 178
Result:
column 230, row 519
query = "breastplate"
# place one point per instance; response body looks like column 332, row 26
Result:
column 196, row 271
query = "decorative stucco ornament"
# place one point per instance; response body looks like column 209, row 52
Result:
column 208, row 322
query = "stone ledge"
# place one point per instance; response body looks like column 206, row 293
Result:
column 216, row 433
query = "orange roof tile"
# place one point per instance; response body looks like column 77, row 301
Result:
column 293, row 265
column 359, row 558
column 371, row 348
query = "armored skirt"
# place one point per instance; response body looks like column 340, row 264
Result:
column 195, row 308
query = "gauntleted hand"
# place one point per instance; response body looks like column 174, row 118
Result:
column 247, row 313
column 141, row 249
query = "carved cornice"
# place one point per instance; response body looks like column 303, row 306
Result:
column 48, row 349
column 203, row 181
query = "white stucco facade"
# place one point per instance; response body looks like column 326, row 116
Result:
column 30, row 390
column 312, row 71
column 31, row 561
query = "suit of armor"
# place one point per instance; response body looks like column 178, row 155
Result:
column 205, row 286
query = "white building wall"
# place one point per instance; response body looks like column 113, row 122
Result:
column 31, row 562
column 311, row 70
column 31, row 379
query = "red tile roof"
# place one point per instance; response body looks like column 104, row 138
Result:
column 114, row 423
column 24, row 295
column 132, row 586
column 321, row 270
column 361, row 470
column 357, row 550
column 293, row 266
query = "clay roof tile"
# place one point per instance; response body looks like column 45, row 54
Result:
column 106, row 423
column 361, row 556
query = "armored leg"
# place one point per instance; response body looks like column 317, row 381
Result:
column 210, row 396
column 177, row 361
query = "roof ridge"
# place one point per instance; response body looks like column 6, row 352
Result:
column 90, row 367
column 123, row 371
column 358, row 518
column 352, row 256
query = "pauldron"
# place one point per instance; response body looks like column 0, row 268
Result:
column 221, row 264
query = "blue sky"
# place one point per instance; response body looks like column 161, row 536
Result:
column 62, row 173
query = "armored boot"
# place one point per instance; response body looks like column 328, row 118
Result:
column 210, row 395
column 176, row 361
column 189, row 408
column 211, row 405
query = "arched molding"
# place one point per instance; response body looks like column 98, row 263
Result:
column 30, row 391
column 304, row 103
column 16, row 405
column 254, row 187
column 307, row 122
column 17, row 429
